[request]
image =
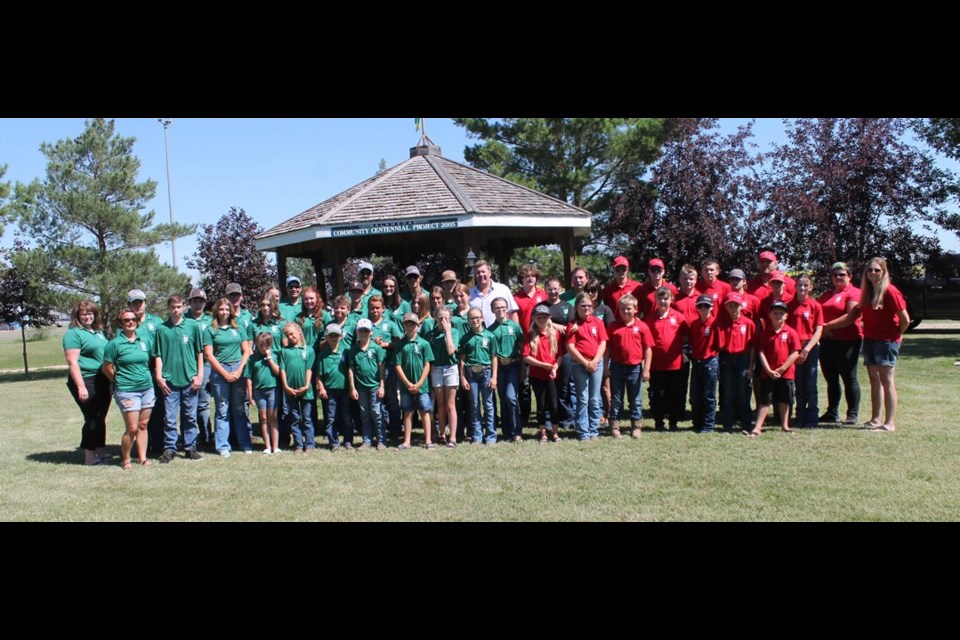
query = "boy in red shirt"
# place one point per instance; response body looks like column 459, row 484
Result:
column 646, row 294
column 629, row 356
column 621, row 284
column 779, row 348
column 737, row 334
column 670, row 332
column 704, row 348
column 711, row 285
column 805, row 315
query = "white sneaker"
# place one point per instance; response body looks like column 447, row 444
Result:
column 267, row 452
column 275, row 451
column 224, row 454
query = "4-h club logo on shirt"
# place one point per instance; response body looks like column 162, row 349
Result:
column 806, row 315
column 150, row 326
column 839, row 298
column 369, row 354
column 673, row 320
column 743, row 328
column 186, row 339
column 416, row 349
column 510, row 331
column 143, row 347
column 485, row 343
column 234, row 332
column 593, row 331
column 303, row 354
column 706, row 331
column 636, row 329
column 783, row 337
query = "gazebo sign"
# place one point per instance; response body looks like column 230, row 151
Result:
column 378, row 228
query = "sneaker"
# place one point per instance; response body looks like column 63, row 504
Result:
column 167, row 456
column 381, row 446
column 277, row 450
column 830, row 418
column 191, row 454
column 851, row 420
column 365, row 445
column 224, row 454
column 266, row 451
column 636, row 433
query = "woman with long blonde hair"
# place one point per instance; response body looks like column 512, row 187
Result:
column 885, row 320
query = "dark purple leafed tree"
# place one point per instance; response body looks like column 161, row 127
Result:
column 699, row 201
column 226, row 253
column 850, row 189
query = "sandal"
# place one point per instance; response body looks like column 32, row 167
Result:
column 556, row 438
column 145, row 463
column 883, row 428
column 451, row 444
column 543, row 440
column 431, row 447
column 126, row 466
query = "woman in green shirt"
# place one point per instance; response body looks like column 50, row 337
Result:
column 268, row 320
column 395, row 306
column 312, row 318
column 83, row 345
column 227, row 349
column 126, row 363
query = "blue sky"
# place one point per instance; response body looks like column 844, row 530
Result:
column 274, row 168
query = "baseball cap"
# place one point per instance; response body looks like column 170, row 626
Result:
column 355, row 286
column 411, row 269
column 365, row 265
column 292, row 279
column 621, row 261
column 768, row 255
column 541, row 308
column 705, row 300
column 656, row 262
column 411, row 317
column 334, row 329
column 733, row 297
column 233, row 287
column 737, row 273
column 778, row 276
column 197, row 293
column 135, row 294
column 778, row 304
column 364, row 323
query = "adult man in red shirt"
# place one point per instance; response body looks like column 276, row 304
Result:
column 759, row 285
column 646, row 294
column 620, row 286
column 710, row 285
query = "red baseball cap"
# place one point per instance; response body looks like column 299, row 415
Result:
column 733, row 297
column 778, row 276
column 768, row 255
column 621, row 261
column 656, row 262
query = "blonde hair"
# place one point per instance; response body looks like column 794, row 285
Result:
column 874, row 295
column 300, row 339
column 534, row 337
column 231, row 319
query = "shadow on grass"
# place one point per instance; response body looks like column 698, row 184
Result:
column 42, row 374
column 931, row 345
column 72, row 457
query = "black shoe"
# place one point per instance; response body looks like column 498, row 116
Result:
column 167, row 456
column 851, row 420
column 830, row 418
column 191, row 454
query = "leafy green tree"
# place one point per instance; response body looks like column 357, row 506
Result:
column 582, row 161
column 943, row 134
column 21, row 298
column 4, row 194
column 550, row 262
column 89, row 237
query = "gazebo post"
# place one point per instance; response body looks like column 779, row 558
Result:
column 281, row 273
column 337, row 275
column 569, row 247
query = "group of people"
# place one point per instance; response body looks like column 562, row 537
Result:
column 458, row 359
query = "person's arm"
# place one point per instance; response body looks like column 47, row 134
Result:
column 308, row 380
column 215, row 364
column 245, row 351
column 592, row 365
column 464, row 383
column 380, row 378
column 198, row 379
column 73, row 362
column 904, row 321
column 353, row 389
column 108, row 370
column 766, row 367
column 158, row 375
column 789, row 363
column 286, row 387
column 811, row 343
column 846, row 319
column 274, row 367
column 647, row 363
column 250, row 391
column 753, row 362
column 423, row 378
column 495, row 362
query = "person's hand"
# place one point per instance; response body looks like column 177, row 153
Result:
column 164, row 389
column 354, row 395
column 492, row 384
column 553, row 370
column 380, row 391
column 645, row 376
column 82, row 394
column 464, row 383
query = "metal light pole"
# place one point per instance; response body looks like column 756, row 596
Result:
column 166, row 123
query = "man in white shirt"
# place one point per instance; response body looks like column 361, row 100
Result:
column 485, row 290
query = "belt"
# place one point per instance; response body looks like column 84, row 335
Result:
column 477, row 368
column 508, row 361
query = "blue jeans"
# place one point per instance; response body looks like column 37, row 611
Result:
column 370, row 416
column 508, row 388
column 300, row 419
column 203, row 406
column 588, row 400
column 626, row 380
column 229, row 398
column 390, row 404
column 481, row 402
column 806, row 385
column 703, row 393
column 336, row 412
column 182, row 401
column 735, row 405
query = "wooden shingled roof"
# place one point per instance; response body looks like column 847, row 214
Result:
column 427, row 185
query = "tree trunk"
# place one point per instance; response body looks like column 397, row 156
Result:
column 23, row 339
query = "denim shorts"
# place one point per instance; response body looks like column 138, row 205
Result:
column 881, row 353
column 444, row 376
column 129, row 401
column 419, row 401
column 266, row 399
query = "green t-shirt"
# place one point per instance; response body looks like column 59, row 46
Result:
column 388, row 332
column 178, row 346
column 365, row 299
column 438, row 343
column 227, row 343
column 245, row 322
column 271, row 326
column 349, row 328
column 460, row 323
column 295, row 362
column 569, row 295
column 91, row 345
column 148, row 329
column 508, row 339
column 396, row 315
column 366, row 365
column 426, row 327
column 203, row 321
column 331, row 366
column 289, row 312
column 259, row 371
column 313, row 333
column 477, row 348
column 412, row 357
column 131, row 363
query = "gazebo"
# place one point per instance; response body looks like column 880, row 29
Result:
column 426, row 204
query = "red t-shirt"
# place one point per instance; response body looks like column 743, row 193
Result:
column 646, row 295
column 525, row 306
column 777, row 347
column 761, row 289
column 704, row 341
column 883, row 324
column 718, row 291
column 612, row 294
column 669, row 333
column 750, row 306
column 628, row 342
column 834, row 304
column 543, row 354
column 587, row 337
column 765, row 304
column 805, row 317
column 736, row 336
column 687, row 306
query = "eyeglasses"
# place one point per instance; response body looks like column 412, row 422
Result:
column 591, row 291
column 619, row 268
column 839, row 274
column 412, row 276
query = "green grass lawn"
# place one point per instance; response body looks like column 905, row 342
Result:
column 827, row 474
column 40, row 353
